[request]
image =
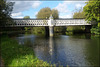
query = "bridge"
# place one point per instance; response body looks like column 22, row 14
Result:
column 48, row 23
column 57, row 22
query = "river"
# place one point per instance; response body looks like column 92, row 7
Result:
column 76, row 50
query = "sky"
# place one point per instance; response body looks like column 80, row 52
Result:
column 31, row 8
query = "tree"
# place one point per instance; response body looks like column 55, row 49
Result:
column 55, row 14
column 27, row 17
column 92, row 13
column 5, row 12
column 79, row 14
column 92, row 10
column 45, row 13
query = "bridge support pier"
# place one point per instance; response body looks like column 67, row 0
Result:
column 47, row 31
column 51, row 31
column 87, row 28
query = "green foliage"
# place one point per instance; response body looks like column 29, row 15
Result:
column 5, row 12
column 75, row 28
column 27, row 17
column 92, row 10
column 27, row 28
column 45, row 13
column 69, row 33
column 79, row 14
column 38, row 30
column 55, row 14
column 92, row 13
column 14, row 54
column 95, row 30
column 59, row 29
column 98, row 24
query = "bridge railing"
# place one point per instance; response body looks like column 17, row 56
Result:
column 57, row 22
column 71, row 22
column 31, row 22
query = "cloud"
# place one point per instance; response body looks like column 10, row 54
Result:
column 78, row 5
column 16, row 14
column 62, row 7
column 68, row 2
column 18, row 17
column 20, row 6
column 36, row 4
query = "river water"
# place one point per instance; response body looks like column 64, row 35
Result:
column 76, row 50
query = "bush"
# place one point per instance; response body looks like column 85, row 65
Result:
column 38, row 30
column 95, row 30
column 75, row 29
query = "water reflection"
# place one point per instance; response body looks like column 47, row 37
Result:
column 64, row 50
column 26, row 40
column 44, row 49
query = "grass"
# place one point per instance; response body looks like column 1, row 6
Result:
column 14, row 54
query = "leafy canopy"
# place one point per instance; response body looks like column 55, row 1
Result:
column 92, row 10
column 5, row 12
column 55, row 14
column 45, row 13
column 27, row 17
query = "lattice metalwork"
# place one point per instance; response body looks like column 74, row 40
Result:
column 31, row 22
column 62, row 22
column 71, row 22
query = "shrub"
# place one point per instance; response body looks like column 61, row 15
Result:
column 95, row 30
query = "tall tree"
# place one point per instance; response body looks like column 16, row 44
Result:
column 45, row 13
column 92, row 10
column 5, row 12
column 55, row 14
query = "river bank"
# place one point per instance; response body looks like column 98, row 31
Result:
column 14, row 54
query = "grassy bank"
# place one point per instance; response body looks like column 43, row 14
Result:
column 14, row 54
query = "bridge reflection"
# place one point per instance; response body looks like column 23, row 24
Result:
column 46, row 50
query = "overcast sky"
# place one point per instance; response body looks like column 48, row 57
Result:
column 31, row 8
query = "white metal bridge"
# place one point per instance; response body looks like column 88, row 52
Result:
column 50, row 22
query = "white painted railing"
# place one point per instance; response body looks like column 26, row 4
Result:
column 50, row 22
column 68, row 22
column 64, row 22
column 28, row 22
